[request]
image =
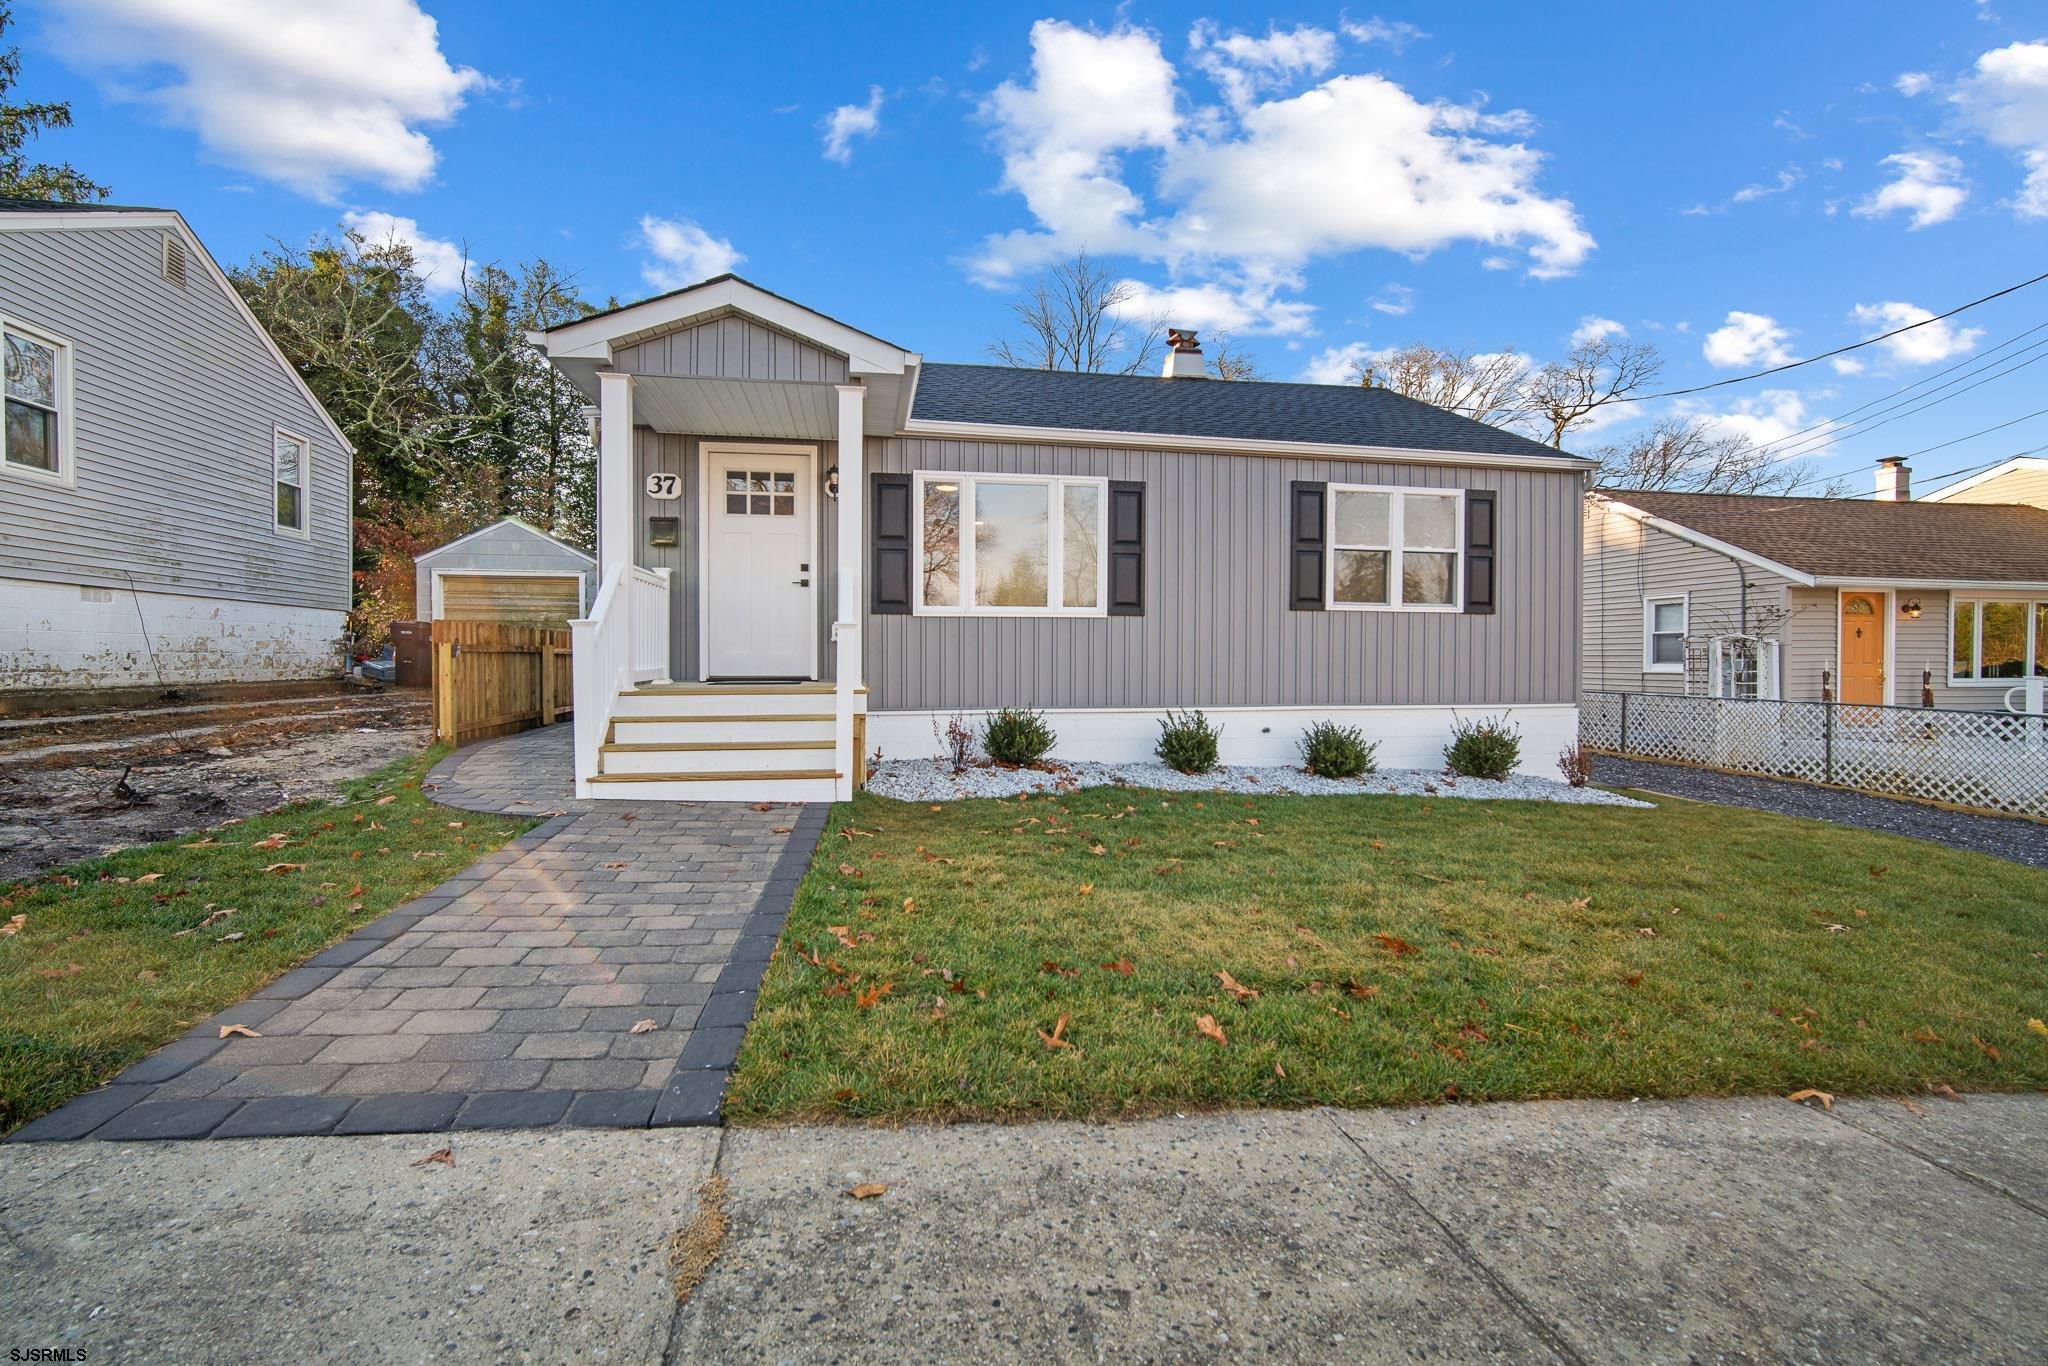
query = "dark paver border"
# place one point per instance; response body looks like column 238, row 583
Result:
column 122, row 1109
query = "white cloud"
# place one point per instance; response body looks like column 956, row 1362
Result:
column 310, row 96
column 1592, row 329
column 681, row 253
column 1926, row 188
column 1341, row 364
column 2006, row 99
column 1746, row 339
column 1395, row 33
column 1911, row 83
column 1396, row 301
column 1255, row 191
column 1923, row 345
column 1221, row 306
column 1785, row 180
column 1847, row 365
column 1242, row 67
column 850, row 121
column 1764, row 418
column 441, row 263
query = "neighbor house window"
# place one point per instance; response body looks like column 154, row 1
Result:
column 35, row 383
column 1394, row 548
column 293, row 461
column 1008, row 543
column 1664, row 624
column 1997, row 640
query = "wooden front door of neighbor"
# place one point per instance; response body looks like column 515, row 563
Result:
column 759, row 573
column 1863, row 624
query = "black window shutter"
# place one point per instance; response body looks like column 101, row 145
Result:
column 1482, row 545
column 1306, row 550
column 1126, row 548
column 889, row 583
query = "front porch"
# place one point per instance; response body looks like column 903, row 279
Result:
column 721, row 659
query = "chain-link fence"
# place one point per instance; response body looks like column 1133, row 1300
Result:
column 1995, row 761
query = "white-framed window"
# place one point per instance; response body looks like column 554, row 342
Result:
column 1995, row 642
column 35, row 391
column 1010, row 545
column 1395, row 549
column 1664, row 627
column 292, row 474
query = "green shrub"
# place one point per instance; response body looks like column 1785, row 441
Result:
column 1187, row 742
column 1329, row 750
column 1486, row 748
column 1016, row 736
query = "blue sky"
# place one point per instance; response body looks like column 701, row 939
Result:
column 1736, row 183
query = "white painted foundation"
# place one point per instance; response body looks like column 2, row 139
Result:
column 75, row 636
column 1408, row 737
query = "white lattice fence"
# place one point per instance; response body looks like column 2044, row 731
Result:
column 1992, row 760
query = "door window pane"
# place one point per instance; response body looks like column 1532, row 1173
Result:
column 735, row 481
column 1360, row 576
column 736, row 504
column 1080, row 551
column 1362, row 518
column 31, row 437
column 941, row 528
column 1011, row 545
column 1428, row 523
column 785, row 483
column 785, row 505
column 2004, row 652
column 757, row 482
column 1426, row 577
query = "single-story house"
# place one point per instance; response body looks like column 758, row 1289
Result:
column 2018, row 479
column 175, row 505
column 507, row 571
column 817, row 546
column 1888, row 601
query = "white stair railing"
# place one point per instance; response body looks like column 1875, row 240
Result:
column 623, row 641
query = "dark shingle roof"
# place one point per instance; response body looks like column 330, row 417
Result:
column 10, row 204
column 1255, row 410
column 1846, row 537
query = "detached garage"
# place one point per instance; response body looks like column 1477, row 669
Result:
column 508, row 572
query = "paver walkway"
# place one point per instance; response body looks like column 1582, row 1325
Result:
column 599, row 970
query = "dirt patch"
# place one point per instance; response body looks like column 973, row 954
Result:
column 69, row 804
column 693, row 1248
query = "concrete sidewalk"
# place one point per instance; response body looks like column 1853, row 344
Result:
column 1749, row 1229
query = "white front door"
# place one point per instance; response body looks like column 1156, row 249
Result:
column 758, row 585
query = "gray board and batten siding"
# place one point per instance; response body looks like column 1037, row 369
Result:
column 732, row 347
column 175, row 397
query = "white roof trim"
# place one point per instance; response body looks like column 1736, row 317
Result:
column 2014, row 465
column 1934, row 585
column 527, row 527
column 1700, row 538
column 88, row 217
column 1235, row 445
column 593, row 338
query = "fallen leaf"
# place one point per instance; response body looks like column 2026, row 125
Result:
column 1279, row 1071
column 643, row 1027
column 200, row 844
column 764, row 806
column 146, row 975
column 457, row 825
column 1646, row 932
column 1121, row 967
column 277, row 841
column 1827, row 1101
column 1988, row 1050
column 909, row 903
column 1580, row 903
column 867, row 1190
column 14, row 924
column 68, row 970
column 1058, row 969
column 1913, row 1107
column 1236, row 988
column 229, row 938
column 615, row 866
column 149, row 877
column 844, row 934
column 1087, row 889
column 1838, row 929
column 1354, row 987
column 782, row 829
column 1942, row 1088
column 848, row 870
column 1210, row 1029
column 2038, row 1026
column 283, row 867
column 870, row 995
column 1058, row 1037
column 238, row 1031
column 1925, row 1034
column 444, row 1156
column 1394, row 944
column 386, row 801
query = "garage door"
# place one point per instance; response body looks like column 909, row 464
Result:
column 527, row 599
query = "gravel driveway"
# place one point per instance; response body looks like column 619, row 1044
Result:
column 2006, row 837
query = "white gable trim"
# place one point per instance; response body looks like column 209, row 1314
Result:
column 2016, row 465
column 88, row 218
column 526, row 527
column 1700, row 538
column 594, row 338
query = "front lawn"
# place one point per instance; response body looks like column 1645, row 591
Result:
column 1056, row 956
column 113, row 957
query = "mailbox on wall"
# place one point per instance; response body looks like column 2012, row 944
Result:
column 664, row 530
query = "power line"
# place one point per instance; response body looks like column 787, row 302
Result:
column 1818, row 478
column 1838, row 351
column 1814, row 444
column 1955, row 474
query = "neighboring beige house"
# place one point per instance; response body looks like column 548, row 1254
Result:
column 1941, row 602
column 2022, row 479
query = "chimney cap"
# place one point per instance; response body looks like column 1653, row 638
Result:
column 1891, row 460
column 1183, row 339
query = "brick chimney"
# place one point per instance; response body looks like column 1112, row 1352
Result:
column 1183, row 355
column 1894, row 480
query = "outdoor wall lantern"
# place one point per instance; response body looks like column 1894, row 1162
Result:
column 1910, row 608
column 832, row 483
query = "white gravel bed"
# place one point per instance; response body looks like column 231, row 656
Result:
column 933, row 780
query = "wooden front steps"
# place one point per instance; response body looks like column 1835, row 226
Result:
column 721, row 742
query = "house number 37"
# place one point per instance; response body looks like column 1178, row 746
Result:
column 664, row 486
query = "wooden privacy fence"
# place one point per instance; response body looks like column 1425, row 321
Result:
column 494, row 679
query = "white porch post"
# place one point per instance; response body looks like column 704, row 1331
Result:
column 614, row 468
column 852, row 589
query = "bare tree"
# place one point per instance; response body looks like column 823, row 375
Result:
column 1071, row 318
column 1227, row 360
column 1688, row 455
column 1597, row 372
column 1488, row 386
